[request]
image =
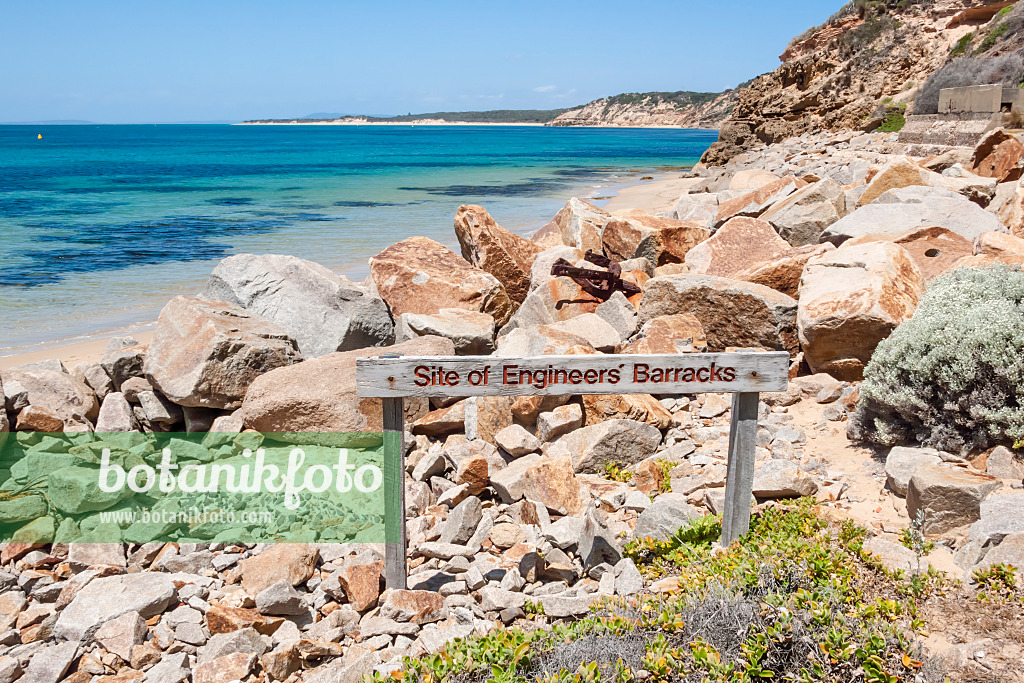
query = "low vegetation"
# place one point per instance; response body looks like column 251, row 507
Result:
column 1007, row 70
column 951, row 376
column 894, row 118
column 796, row 599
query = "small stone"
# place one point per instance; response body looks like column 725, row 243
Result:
column 1002, row 463
column 665, row 516
column 516, row 441
column 280, row 599
column 418, row 607
column 559, row 422
column 50, row 664
column 628, row 580
column 506, row 534
column 122, row 634
column 233, row 667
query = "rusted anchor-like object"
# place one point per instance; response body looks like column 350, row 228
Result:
column 599, row 284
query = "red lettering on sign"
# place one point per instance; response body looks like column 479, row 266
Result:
column 590, row 377
column 422, row 373
column 640, row 373
column 729, row 374
column 505, row 377
column 703, row 374
column 575, row 377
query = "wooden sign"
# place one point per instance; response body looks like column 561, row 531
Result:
column 744, row 374
column 689, row 373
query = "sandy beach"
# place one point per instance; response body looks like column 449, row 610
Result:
column 90, row 351
column 652, row 196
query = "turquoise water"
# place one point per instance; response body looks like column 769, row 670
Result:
column 101, row 225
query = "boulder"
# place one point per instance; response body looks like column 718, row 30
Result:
column 898, row 211
column 492, row 248
column 901, row 463
column 999, row 245
column 756, row 202
column 541, row 340
column 116, row 415
column 322, row 311
column 899, row 173
column 850, row 300
column 311, row 400
column 418, row 275
column 617, row 441
column 750, row 179
column 5, row 425
column 581, row 224
column 732, row 313
column 549, row 235
column 472, row 333
column 559, row 421
column 121, row 363
column 637, row 234
column 549, row 481
column 486, row 416
column 948, row 498
column 49, row 664
column 998, row 155
column 291, row 562
column 516, row 441
column 666, row 514
column 782, row 271
column 640, row 407
column 597, row 543
column 36, row 419
column 443, row 421
column 121, row 634
column 782, row 479
column 281, row 599
column 700, row 208
column 801, row 217
column 462, row 522
column 669, row 334
column 59, row 394
column 620, row 314
column 104, row 599
column 205, row 354
column 935, row 250
column 739, row 244
column 598, row 333
column 1004, row 464
column 417, row 607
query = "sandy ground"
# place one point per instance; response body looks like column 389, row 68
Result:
column 652, row 196
column 71, row 354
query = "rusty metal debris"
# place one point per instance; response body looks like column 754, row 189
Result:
column 597, row 283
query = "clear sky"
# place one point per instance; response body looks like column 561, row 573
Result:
column 115, row 61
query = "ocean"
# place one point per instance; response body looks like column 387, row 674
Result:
column 101, row 225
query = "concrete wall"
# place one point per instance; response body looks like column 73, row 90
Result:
column 980, row 99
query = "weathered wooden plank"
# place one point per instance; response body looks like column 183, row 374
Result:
column 394, row 495
column 739, row 480
column 685, row 373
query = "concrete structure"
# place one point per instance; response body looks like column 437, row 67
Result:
column 965, row 115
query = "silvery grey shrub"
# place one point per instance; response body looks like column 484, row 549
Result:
column 951, row 377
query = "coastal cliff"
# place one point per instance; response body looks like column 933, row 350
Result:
column 867, row 56
column 671, row 109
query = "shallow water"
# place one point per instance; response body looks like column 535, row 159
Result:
column 101, row 225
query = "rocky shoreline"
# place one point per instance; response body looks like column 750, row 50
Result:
column 819, row 246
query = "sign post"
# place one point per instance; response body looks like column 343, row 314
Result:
column 743, row 374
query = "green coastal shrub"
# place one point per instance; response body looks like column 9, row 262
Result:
column 1006, row 70
column 894, row 119
column 951, row 377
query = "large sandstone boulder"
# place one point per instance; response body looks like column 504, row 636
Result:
column 738, row 245
column 998, row 155
column 5, row 425
column 782, row 272
column 492, row 248
column 57, row 393
column 898, row 211
column 756, row 202
column 323, row 312
column 637, row 234
column 669, row 334
column 701, row 208
column 205, row 354
column 999, row 244
column 549, row 235
column 732, row 313
column 541, row 340
column 900, row 172
column 311, row 400
column 935, row 250
column 948, row 498
column 418, row 275
column 850, row 300
column 581, row 224
column 640, row 407
column 801, row 217
column 472, row 333
column 902, row 463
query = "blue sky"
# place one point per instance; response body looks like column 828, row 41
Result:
column 148, row 61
